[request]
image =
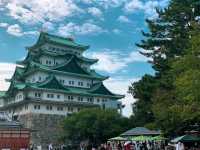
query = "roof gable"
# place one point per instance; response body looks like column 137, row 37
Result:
column 46, row 37
column 71, row 66
column 99, row 88
column 52, row 83
column 140, row 131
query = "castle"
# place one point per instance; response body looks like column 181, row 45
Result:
column 52, row 82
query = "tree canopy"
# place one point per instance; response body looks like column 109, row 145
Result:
column 94, row 125
column 171, row 96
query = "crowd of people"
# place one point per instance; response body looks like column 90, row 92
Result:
column 148, row 145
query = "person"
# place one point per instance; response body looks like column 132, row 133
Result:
column 39, row 147
column 137, row 147
column 102, row 147
column 178, row 146
column 119, row 146
column 127, row 146
column 81, row 146
column 31, row 146
column 182, row 146
column 50, row 147
column 108, row 147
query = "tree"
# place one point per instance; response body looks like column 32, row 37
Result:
column 142, row 107
column 180, row 108
column 168, row 39
column 94, row 125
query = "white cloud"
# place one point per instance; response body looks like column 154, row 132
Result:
column 113, row 61
column 105, row 3
column 49, row 26
column 4, row 24
column 6, row 72
column 116, row 31
column 37, row 11
column 148, row 6
column 86, row 28
column 133, row 5
column 123, row 19
column 120, row 86
column 15, row 30
column 95, row 11
column 31, row 33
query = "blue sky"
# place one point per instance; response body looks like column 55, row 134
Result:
column 110, row 27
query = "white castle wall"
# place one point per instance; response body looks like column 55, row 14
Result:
column 57, row 48
column 65, row 80
column 19, row 96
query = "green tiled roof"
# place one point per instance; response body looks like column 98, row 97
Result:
column 17, row 74
column 68, row 55
column 20, row 86
column 61, row 69
column 71, row 66
column 99, row 88
column 52, row 83
column 63, row 103
column 49, row 38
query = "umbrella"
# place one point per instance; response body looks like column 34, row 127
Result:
column 126, row 143
column 141, row 138
column 186, row 138
column 158, row 138
column 118, row 138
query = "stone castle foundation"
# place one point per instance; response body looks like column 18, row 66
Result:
column 46, row 128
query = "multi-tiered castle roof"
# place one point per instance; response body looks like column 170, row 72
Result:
column 55, row 58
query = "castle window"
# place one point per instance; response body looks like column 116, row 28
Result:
column 70, row 97
column 20, row 96
column 37, row 107
column 50, row 95
column 60, row 108
column 71, row 82
column 58, row 96
column 80, row 99
column 70, row 109
column 48, row 62
column 88, row 84
column 49, row 107
column 40, row 78
column 98, row 100
column 38, row 95
column 90, row 99
column 80, row 83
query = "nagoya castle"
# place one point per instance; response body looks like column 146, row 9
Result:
column 52, row 82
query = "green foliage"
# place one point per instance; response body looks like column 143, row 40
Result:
column 95, row 125
column 173, row 93
column 142, row 108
